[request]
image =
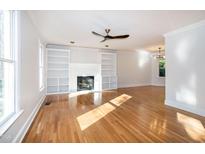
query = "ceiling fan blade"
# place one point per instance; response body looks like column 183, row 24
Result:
column 103, row 40
column 97, row 34
column 120, row 36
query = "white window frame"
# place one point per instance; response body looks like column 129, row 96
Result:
column 41, row 66
column 9, row 120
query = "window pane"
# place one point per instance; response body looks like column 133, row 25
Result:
column 5, row 34
column 6, row 90
column 162, row 67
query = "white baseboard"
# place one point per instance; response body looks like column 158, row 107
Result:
column 22, row 132
column 188, row 108
column 125, row 85
column 157, row 84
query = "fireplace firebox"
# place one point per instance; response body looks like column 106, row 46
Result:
column 85, row 83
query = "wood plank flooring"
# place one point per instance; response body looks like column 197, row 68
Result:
column 135, row 114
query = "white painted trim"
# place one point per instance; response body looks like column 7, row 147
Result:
column 90, row 91
column 108, row 52
column 158, row 84
column 56, row 46
column 10, row 122
column 7, row 60
column 18, row 58
column 132, row 85
column 59, row 50
column 56, row 93
column 186, row 28
column 22, row 132
column 108, row 89
column 188, row 108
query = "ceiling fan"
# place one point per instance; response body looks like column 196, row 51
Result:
column 108, row 37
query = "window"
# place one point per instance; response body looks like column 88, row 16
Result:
column 162, row 67
column 7, row 66
column 41, row 67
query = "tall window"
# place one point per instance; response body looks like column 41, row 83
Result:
column 41, row 67
column 7, row 65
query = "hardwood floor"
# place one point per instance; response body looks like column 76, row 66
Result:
column 125, row 115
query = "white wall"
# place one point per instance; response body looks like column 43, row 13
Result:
column 185, row 73
column 84, row 55
column 156, row 80
column 133, row 68
column 30, row 95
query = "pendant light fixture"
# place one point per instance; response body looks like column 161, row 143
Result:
column 159, row 55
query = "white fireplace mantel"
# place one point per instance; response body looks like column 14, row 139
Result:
column 77, row 69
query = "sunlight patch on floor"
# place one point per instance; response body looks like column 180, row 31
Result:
column 87, row 119
column 193, row 127
column 120, row 99
column 94, row 115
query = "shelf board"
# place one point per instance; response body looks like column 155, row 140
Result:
column 107, row 58
column 107, row 69
column 58, row 77
column 52, row 78
column 58, row 50
column 64, row 78
column 57, row 69
column 52, row 86
column 107, row 65
column 54, row 56
column 54, row 62
column 63, row 85
column 60, row 85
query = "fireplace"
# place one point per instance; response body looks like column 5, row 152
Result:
column 85, row 83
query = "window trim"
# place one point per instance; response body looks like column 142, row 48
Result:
column 9, row 121
column 15, row 46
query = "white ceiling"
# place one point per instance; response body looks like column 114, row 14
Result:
column 146, row 28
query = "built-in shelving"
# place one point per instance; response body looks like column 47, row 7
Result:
column 108, row 70
column 57, row 70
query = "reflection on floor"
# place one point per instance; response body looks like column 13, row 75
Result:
column 96, row 114
column 158, row 126
column 135, row 114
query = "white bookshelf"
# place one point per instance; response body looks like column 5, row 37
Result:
column 108, row 70
column 57, row 70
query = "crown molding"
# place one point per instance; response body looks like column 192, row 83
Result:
column 186, row 28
